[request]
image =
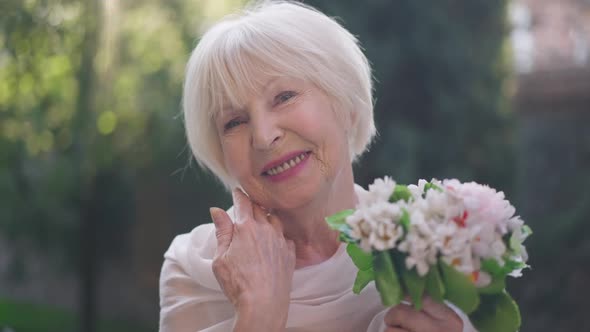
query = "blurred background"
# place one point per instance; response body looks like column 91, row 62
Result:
column 96, row 178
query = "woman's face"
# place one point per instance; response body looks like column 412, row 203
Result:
column 286, row 146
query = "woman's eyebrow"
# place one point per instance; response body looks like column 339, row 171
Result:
column 271, row 83
column 226, row 111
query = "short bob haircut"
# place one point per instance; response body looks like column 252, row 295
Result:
column 275, row 38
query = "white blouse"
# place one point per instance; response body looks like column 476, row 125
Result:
column 321, row 295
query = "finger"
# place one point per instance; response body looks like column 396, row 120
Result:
column 263, row 215
column 396, row 329
column 435, row 309
column 259, row 213
column 243, row 206
column 291, row 246
column 276, row 223
column 224, row 229
column 405, row 316
column 407, row 300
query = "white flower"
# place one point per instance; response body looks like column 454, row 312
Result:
column 514, row 223
column 385, row 236
column 487, row 243
column 481, row 278
column 463, row 262
column 360, row 229
column 419, row 243
column 417, row 249
column 376, row 225
column 518, row 272
column 417, row 190
column 381, row 189
column 439, row 206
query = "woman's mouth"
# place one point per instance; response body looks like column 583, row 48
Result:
column 287, row 167
column 287, row 164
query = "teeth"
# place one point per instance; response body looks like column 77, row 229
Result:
column 286, row 165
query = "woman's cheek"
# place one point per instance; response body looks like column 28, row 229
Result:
column 235, row 158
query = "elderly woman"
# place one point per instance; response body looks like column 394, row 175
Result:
column 278, row 104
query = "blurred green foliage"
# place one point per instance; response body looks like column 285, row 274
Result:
column 24, row 317
column 50, row 145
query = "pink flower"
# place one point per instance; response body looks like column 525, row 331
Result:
column 482, row 204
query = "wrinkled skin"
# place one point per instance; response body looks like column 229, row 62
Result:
column 254, row 276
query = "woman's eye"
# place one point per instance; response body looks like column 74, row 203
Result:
column 233, row 123
column 284, row 97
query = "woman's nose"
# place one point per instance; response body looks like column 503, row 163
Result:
column 265, row 131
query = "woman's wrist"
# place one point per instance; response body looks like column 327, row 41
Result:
column 257, row 318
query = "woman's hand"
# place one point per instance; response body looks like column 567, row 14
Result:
column 434, row 317
column 254, row 264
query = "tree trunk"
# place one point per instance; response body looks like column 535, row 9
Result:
column 86, row 173
column 89, row 263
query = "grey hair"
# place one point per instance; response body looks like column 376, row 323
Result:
column 275, row 38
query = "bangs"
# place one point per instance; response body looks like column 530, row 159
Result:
column 243, row 62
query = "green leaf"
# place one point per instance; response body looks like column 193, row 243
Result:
column 434, row 284
column 338, row 219
column 363, row 278
column 337, row 222
column 526, row 230
column 429, row 186
column 496, row 313
column 345, row 237
column 511, row 265
column 459, row 288
column 414, row 285
column 400, row 192
column 496, row 286
column 386, row 279
column 405, row 221
column 362, row 259
column 492, row 267
column 516, row 239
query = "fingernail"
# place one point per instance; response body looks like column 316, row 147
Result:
column 213, row 213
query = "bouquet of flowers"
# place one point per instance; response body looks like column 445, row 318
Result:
column 450, row 240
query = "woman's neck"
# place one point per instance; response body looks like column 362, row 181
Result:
column 314, row 240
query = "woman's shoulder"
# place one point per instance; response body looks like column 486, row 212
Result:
column 200, row 241
column 190, row 256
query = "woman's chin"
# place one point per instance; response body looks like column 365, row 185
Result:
column 297, row 197
column 290, row 204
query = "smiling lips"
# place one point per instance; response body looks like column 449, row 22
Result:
column 284, row 165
